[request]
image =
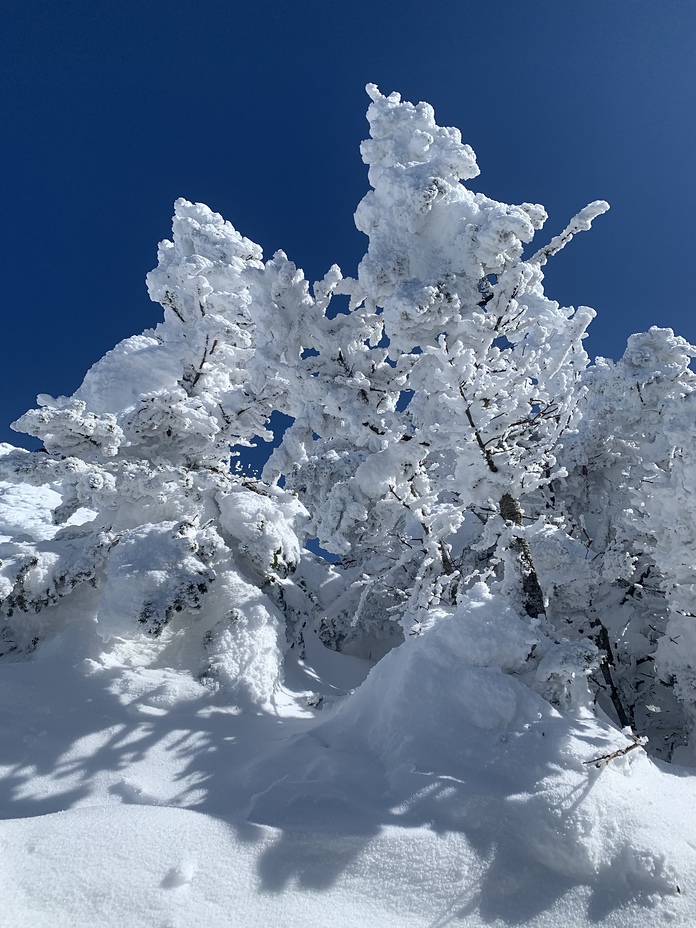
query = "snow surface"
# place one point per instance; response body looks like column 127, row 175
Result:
column 132, row 795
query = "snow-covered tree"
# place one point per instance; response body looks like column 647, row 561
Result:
column 167, row 534
column 443, row 393
column 625, row 504
column 450, row 444
column 491, row 361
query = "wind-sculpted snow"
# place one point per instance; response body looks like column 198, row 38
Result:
column 445, row 715
column 500, row 760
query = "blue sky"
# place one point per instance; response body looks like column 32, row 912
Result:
column 111, row 110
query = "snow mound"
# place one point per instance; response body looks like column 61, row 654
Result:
column 441, row 790
column 440, row 740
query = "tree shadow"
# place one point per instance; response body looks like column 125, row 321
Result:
column 527, row 825
column 323, row 788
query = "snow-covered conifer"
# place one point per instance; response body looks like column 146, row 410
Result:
column 142, row 450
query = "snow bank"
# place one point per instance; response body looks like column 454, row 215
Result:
column 442, row 790
column 467, row 748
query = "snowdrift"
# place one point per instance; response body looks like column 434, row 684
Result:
column 435, row 789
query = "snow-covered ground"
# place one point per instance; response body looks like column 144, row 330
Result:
column 432, row 789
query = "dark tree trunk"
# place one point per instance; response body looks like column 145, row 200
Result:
column 533, row 597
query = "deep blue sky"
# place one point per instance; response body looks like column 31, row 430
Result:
column 113, row 108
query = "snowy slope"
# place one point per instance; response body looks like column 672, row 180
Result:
column 439, row 790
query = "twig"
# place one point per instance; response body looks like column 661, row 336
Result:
column 199, row 372
column 638, row 742
column 479, row 441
